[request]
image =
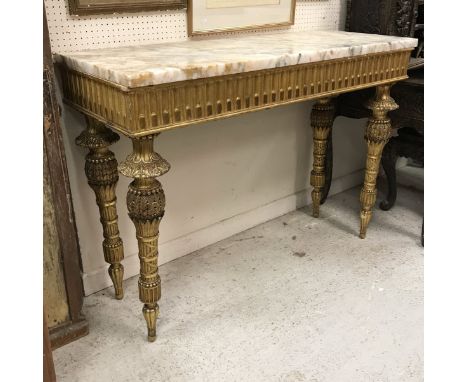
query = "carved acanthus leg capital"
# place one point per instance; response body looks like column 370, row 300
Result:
column 96, row 135
column 102, row 174
column 146, row 202
column 378, row 132
column 322, row 117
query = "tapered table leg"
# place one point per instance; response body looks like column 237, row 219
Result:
column 146, row 202
column 321, row 119
column 378, row 132
column 102, row 174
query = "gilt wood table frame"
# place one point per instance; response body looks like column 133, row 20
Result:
column 142, row 113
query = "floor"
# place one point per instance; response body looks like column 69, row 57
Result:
column 294, row 299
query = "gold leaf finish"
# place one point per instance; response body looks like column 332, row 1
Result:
column 144, row 162
column 142, row 113
column 96, row 135
column 152, row 109
column 321, row 118
column 378, row 132
column 102, row 174
column 145, row 203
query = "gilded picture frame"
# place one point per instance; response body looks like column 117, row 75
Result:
column 93, row 7
column 282, row 13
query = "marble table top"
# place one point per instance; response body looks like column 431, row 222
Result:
column 144, row 65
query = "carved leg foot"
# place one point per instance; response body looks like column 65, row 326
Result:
column 389, row 158
column 378, row 133
column 145, row 202
column 102, row 174
column 322, row 117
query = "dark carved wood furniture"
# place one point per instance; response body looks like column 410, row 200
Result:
column 401, row 18
column 410, row 140
column 389, row 17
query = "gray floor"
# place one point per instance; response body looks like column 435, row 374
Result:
column 294, row 299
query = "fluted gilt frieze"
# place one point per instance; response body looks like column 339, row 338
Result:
column 152, row 109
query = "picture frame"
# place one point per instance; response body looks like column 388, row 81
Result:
column 218, row 16
column 93, row 7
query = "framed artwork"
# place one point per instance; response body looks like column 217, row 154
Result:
column 214, row 16
column 91, row 7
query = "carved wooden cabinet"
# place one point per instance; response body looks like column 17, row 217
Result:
column 390, row 17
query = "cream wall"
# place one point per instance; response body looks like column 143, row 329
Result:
column 226, row 176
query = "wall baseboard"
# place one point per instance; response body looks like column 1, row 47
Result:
column 194, row 241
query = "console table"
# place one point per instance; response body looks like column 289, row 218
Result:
column 142, row 91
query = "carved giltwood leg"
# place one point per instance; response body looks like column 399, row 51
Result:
column 145, row 202
column 102, row 174
column 378, row 132
column 322, row 117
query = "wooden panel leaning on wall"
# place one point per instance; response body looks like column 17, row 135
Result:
column 63, row 288
column 48, row 370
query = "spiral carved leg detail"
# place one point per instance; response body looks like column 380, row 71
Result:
column 378, row 132
column 146, row 202
column 322, row 117
column 102, row 174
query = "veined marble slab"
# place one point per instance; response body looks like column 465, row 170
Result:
column 144, row 65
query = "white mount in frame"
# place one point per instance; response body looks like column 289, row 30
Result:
column 212, row 16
